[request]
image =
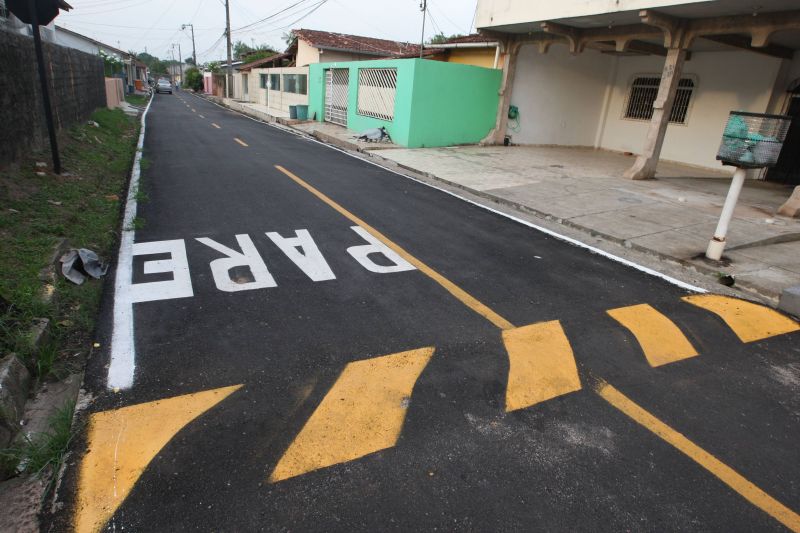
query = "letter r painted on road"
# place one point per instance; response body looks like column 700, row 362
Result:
column 362, row 252
column 248, row 257
column 180, row 286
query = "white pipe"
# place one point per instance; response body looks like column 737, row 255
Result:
column 463, row 45
column 717, row 244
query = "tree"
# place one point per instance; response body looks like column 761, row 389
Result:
column 193, row 79
column 189, row 61
column 441, row 38
column 288, row 37
column 154, row 64
column 242, row 50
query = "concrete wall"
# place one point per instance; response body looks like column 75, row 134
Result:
column 579, row 100
column 479, row 57
column 721, row 88
column 559, row 96
column 308, row 55
column 77, row 88
column 425, row 113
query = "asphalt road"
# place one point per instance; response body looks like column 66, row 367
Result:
column 318, row 344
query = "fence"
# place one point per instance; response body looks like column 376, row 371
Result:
column 77, row 88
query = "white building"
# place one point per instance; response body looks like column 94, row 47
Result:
column 589, row 73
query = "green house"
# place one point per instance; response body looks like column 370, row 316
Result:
column 420, row 102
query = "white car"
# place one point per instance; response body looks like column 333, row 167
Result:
column 164, row 86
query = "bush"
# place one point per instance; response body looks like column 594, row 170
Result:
column 193, row 79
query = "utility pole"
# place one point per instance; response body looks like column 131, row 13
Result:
column 194, row 52
column 229, row 78
column 172, row 52
column 180, row 62
column 423, row 6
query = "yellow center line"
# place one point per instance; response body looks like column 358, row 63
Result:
column 726, row 474
column 215, row 125
column 201, row 116
column 615, row 398
column 238, row 140
column 462, row 295
column 194, row 110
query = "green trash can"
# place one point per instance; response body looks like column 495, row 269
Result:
column 302, row 112
column 292, row 111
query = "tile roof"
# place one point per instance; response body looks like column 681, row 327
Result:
column 472, row 38
column 356, row 43
column 263, row 61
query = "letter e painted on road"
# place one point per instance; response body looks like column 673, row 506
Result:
column 362, row 252
column 249, row 257
column 303, row 252
column 180, row 286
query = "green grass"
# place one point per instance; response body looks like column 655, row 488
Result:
column 44, row 449
column 137, row 100
column 82, row 206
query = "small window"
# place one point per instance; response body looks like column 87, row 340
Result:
column 644, row 91
column 295, row 83
column 275, row 82
column 262, row 81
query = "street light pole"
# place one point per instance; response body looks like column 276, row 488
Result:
column 194, row 53
column 48, row 111
column 424, row 8
column 180, row 62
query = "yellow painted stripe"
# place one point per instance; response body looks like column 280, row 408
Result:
column 750, row 321
column 215, row 125
column 541, row 364
column 465, row 298
column 121, row 443
column 362, row 413
column 238, row 140
column 726, row 474
column 661, row 340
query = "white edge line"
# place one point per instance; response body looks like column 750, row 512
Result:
column 559, row 236
column 122, row 361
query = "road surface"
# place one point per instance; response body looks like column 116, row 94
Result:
column 300, row 340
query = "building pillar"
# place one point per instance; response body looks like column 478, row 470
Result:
column 498, row 134
column 646, row 162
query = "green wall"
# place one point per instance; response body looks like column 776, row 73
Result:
column 437, row 103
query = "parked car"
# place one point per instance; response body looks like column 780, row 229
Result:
column 164, row 86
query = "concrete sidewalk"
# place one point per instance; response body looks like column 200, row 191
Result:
column 672, row 217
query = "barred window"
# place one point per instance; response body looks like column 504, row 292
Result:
column 275, row 82
column 377, row 88
column 644, row 91
column 262, row 81
column 295, row 83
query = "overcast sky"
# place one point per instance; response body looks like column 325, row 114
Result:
column 155, row 24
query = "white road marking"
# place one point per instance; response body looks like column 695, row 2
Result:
column 559, row 236
column 303, row 252
column 362, row 252
column 248, row 257
column 122, row 359
column 180, row 286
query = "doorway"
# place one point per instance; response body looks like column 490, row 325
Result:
column 787, row 169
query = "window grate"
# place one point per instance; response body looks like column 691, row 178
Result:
column 644, row 91
column 377, row 88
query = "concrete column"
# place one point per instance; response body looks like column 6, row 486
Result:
column 497, row 135
column 645, row 165
column 792, row 206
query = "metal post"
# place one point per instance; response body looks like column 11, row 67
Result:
column 229, row 77
column 48, row 111
column 194, row 52
column 717, row 244
column 180, row 62
column 424, row 7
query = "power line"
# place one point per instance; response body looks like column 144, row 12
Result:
column 269, row 17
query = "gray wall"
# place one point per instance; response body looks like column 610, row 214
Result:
column 77, row 88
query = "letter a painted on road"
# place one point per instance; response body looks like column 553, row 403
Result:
column 303, row 252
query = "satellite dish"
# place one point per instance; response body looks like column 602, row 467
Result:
column 46, row 10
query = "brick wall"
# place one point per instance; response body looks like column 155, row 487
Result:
column 76, row 89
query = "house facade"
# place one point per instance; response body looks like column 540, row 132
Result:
column 655, row 78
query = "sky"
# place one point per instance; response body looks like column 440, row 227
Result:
column 155, row 25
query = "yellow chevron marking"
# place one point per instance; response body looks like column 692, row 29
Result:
column 121, row 443
column 362, row 413
column 750, row 321
column 541, row 364
column 661, row 340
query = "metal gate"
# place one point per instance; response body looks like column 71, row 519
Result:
column 337, row 81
